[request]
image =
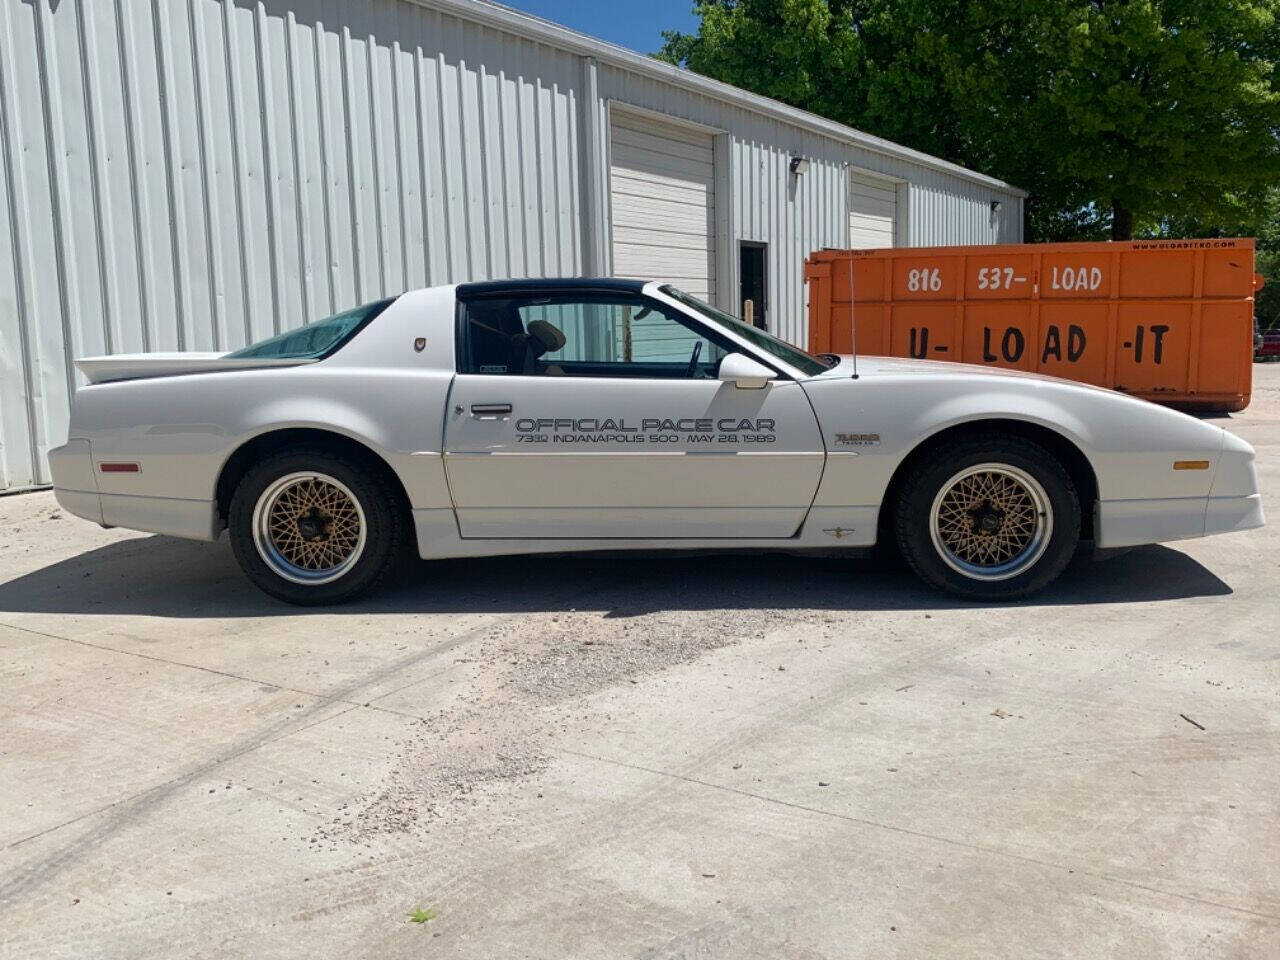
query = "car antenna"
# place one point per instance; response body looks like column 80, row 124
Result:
column 853, row 326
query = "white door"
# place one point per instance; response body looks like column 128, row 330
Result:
column 873, row 212
column 581, row 415
column 662, row 194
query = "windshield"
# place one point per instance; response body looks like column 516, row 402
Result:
column 315, row 340
column 809, row 366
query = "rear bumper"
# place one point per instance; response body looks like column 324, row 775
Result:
column 190, row 519
column 79, row 503
column 73, row 482
column 75, row 487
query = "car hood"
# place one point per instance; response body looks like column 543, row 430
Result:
column 869, row 366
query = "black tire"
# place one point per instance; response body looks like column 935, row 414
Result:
column 1050, row 544
column 381, row 534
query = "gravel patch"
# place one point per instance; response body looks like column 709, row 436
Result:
column 525, row 675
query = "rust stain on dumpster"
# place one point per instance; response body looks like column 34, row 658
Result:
column 1167, row 320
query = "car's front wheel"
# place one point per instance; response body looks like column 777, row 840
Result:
column 311, row 526
column 988, row 519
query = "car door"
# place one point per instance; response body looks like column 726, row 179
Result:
column 588, row 414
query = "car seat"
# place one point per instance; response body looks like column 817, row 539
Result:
column 538, row 339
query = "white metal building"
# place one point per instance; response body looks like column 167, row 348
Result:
column 195, row 174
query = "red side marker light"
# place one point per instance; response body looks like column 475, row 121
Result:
column 118, row 467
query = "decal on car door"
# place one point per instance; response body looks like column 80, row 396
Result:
column 685, row 430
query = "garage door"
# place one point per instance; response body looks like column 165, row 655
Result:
column 662, row 192
column 873, row 212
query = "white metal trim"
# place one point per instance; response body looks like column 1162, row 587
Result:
column 888, row 179
column 725, row 294
column 597, row 229
column 902, row 221
column 644, row 113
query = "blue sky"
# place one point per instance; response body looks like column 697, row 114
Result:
column 637, row 24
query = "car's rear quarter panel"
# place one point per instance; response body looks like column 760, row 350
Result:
column 378, row 390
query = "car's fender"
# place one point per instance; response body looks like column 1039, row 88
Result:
column 871, row 425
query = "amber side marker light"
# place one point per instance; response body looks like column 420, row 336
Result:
column 118, row 467
column 1191, row 464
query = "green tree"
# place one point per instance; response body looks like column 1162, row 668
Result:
column 1118, row 115
column 802, row 52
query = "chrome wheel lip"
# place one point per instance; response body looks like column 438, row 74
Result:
column 1031, row 552
column 269, row 551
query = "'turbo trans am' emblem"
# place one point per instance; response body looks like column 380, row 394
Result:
column 857, row 439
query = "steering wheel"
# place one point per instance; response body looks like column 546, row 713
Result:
column 692, row 370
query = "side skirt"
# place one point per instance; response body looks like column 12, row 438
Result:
column 834, row 529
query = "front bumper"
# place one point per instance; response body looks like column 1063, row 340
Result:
column 1128, row 523
column 1233, row 503
column 1228, row 514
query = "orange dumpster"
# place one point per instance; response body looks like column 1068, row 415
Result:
column 1167, row 320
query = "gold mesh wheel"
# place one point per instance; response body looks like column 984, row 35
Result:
column 309, row 528
column 991, row 521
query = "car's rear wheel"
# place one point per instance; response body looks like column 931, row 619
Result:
column 310, row 526
column 988, row 518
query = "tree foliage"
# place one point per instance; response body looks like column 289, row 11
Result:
column 1120, row 116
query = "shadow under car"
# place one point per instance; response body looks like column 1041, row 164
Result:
column 161, row 576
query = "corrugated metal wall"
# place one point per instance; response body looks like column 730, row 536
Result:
column 195, row 174
column 948, row 210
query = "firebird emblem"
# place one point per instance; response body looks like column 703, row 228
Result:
column 838, row 532
column 420, row 344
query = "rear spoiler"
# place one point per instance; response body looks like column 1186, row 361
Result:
column 144, row 366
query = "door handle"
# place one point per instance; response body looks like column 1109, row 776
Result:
column 489, row 409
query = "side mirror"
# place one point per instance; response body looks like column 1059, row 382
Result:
column 745, row 373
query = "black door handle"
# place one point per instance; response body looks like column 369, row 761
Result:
column 490, row 409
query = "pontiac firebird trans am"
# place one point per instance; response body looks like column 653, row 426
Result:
column 546, row 416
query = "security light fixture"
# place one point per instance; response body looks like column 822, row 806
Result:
column 995, row 206
column 799, row 165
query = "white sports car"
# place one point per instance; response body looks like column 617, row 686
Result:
column 545, row 416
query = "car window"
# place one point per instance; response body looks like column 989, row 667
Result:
column 802, row 361
column 585, row 336
column 315, row 340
